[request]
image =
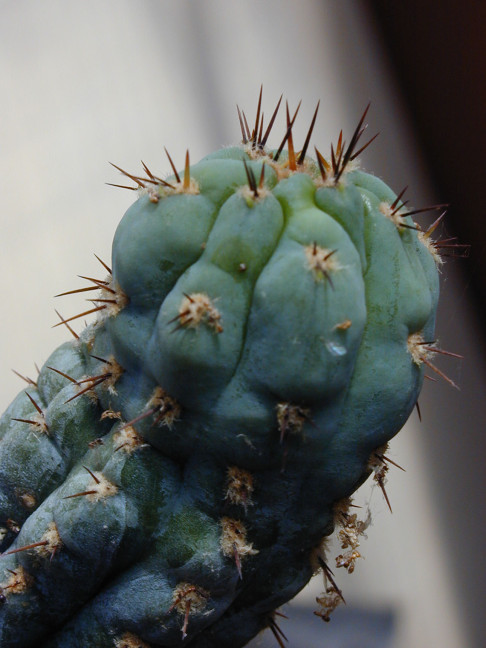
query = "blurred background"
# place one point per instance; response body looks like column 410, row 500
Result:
column 84, row 83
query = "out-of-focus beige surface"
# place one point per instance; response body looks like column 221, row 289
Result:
column 85, row 83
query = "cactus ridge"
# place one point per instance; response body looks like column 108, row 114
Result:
column 173, row 473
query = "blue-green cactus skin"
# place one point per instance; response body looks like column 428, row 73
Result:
column 174, row 470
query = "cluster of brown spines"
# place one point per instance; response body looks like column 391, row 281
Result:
column 328, row 172
column 158, row 187
column 325, row 171
column 190, row 598
column 350, row 531
column 196, row 309
column 37, row 422
column 19, row 580
column 110, row 302
column 397, row 211
column 234, row 542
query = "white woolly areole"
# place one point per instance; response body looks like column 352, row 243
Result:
column 129, row 640
column 198, row 308
column 18, row 581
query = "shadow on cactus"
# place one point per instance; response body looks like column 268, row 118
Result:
column 173, row 473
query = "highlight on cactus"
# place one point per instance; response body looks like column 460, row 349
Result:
column 174, row 472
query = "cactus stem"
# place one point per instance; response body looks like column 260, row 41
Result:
column 172, row 165
column 28, row 380
column 307, row 139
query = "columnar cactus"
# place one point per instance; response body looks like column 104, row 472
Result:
column 171, row 475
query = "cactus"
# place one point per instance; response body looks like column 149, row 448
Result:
column 173, row 473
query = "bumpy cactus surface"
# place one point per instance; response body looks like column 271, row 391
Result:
column 171, row 475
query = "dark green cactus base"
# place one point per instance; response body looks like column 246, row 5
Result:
column 169, row 478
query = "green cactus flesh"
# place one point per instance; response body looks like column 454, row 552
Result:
column 171, row 475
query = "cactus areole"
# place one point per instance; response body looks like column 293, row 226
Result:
column 172, row 474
